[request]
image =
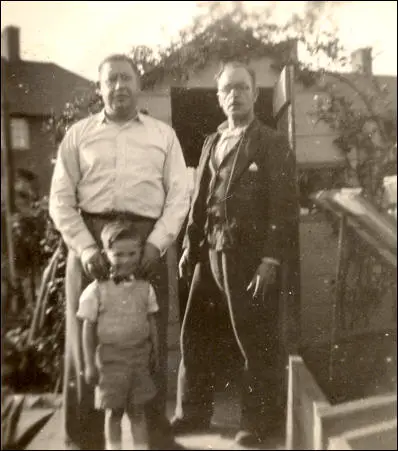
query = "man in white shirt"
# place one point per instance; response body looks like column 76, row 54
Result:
column 117, row 163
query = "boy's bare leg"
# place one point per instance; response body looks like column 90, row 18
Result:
column 113, row 429
column 139, row 428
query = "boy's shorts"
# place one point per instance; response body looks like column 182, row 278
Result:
column 124, row 376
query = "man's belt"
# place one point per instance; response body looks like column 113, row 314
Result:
column 113, row 214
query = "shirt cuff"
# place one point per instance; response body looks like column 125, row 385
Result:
column 88, row 252
column 158, row 240
column 271, row 260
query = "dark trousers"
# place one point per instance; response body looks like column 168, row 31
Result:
column 217, row 346
column 84, row 426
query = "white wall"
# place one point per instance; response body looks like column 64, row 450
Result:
column 158, row 104
column 314, row 140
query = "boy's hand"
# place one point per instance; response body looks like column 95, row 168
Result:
column 91, row 375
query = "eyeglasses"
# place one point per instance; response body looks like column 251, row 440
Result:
column 240, row 88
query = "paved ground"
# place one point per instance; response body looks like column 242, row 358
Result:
column 318, row 253
column 220, row 436
column 225, row 423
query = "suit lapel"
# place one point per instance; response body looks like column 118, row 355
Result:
column 246, row 152
column 204, row 161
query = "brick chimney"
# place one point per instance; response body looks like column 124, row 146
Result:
column 361, row 61
column 10, row 48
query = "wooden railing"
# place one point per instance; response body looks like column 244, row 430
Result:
column 365, row 289
column 342, row 392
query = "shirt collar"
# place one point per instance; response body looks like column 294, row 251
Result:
column 102, row 119
column 224, row 129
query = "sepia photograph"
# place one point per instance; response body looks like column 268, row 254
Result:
column 198, row 225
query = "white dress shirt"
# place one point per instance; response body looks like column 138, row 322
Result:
column 136, row 167
column 228, row 139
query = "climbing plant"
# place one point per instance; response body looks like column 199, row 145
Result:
column 365, row 123
column 227, row 30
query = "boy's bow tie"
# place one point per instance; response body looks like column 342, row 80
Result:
column 120, row 279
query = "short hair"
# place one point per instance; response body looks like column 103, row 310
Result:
column 119, row 229
column 236, row 64
column 120, row 57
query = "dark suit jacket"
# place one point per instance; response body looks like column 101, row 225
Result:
column 261, row 198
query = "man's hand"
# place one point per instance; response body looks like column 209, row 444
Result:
column 91, row 375
column 150, row 256
column 94, row 264
column 184, row 266
column 264, row 277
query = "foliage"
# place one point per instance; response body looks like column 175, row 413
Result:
column 225, row 30
column 79, row 108
column 28, row 232
column 366, row 132
column 11, row 437
column 35, row 360
column 35, row 365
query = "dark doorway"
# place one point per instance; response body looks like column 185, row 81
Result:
column 195, row 113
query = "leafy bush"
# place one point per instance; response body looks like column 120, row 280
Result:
column 33, row 345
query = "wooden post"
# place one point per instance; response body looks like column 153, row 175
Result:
column 8, row 188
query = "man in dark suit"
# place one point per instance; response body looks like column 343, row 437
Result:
column 235, row 248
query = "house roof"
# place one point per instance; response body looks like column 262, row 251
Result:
column 40, row 89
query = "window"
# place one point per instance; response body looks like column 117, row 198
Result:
column 19, row 133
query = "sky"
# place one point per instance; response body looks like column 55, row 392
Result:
column 78, row 34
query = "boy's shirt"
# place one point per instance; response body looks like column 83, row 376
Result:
column 121, row 310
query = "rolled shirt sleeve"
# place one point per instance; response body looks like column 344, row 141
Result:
column 89, row 303
column 63, row 206
column 176, row 206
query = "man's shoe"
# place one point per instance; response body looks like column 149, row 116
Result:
column 163, row 438
column 186, row 426
column 246, row 438
column 165, row 443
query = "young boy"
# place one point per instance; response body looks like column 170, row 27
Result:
column 120, row 336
